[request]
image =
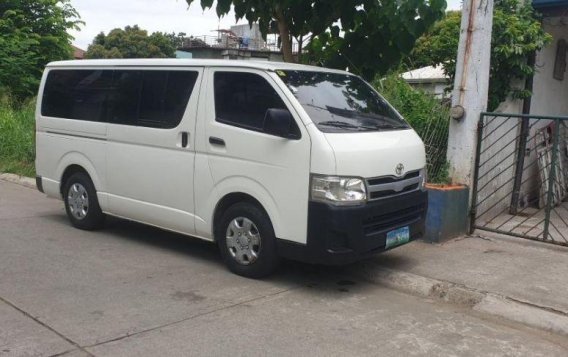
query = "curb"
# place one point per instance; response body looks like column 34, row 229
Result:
column 539, row 317
column 20, row 180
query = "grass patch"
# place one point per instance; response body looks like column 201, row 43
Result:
column 17, row 134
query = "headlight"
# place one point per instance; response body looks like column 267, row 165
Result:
column 338, row 190
column 424, row 180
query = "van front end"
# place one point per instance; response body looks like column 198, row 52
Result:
column 345, row 233
column 367, row 187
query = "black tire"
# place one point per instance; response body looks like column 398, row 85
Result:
column 92, row 217
column 266, row 259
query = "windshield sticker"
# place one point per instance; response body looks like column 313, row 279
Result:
column 280, row 73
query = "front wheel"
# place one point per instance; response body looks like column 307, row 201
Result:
column 81, row 202
column 247, row 241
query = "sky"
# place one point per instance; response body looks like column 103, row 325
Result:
column 153, row 15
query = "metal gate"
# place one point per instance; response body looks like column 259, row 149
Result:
column 520, row 182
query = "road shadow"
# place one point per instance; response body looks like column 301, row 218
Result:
column 394, row 260
column 310, row 277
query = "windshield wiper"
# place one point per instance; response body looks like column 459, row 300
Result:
column 339, row 124
column 385, row 126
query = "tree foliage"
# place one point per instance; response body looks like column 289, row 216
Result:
column 517, row 32
column 178, row 39
column 131, row 42
column 376, row 36
column 365, row 35
column 32, row 33
column 427, row 115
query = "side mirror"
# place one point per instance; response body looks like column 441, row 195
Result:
column 279, row 122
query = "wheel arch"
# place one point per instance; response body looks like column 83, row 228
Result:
column 76, row 162
column 68, row 172
column 232, row 198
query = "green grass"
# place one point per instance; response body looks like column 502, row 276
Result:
column 17, row 147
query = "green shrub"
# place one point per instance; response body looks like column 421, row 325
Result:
column 427, row 115
column 17, row 133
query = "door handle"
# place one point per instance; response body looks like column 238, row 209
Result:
column 216, row 141
column 184, row 139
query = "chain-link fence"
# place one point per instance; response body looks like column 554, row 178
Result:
column 434, row 133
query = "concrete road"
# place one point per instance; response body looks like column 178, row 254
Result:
column 132, row 290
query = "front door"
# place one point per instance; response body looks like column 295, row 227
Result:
column 150, row 151
column 243, row 158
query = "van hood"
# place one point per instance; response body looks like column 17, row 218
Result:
column 373, row 154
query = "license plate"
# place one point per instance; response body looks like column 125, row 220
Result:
column 398, row 237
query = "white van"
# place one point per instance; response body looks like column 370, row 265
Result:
column 266, row 159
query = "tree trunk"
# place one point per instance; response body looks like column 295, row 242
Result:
column 285, row 38
column 300, row 44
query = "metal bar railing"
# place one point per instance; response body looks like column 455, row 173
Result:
column 551, row 177
column 519, row 182
column 473, row 211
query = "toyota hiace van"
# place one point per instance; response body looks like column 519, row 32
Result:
column 265, row 159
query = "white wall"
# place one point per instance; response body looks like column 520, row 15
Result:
column 437, row 89
column 550, row 96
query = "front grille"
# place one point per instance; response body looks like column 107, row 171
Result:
column 392, row 220
column 390, row 179
column 388, row 186
column 389, row 193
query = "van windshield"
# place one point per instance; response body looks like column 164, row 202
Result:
column 340, row 102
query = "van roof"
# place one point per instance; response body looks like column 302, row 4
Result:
column 178, row 62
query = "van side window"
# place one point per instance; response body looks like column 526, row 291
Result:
column 129, row 97
column 77, row 94
column 164, row 97
column 124, row 101
column 241, row 99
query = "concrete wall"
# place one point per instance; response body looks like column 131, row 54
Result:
column 550, row 97
column 251, row 35
column 437, row 89
column 235, row 54
column 498, row 161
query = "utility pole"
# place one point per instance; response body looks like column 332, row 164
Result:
column 471, row 86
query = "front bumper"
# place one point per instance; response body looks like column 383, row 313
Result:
column 343, row 234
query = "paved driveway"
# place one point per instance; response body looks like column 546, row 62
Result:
column 133, row 290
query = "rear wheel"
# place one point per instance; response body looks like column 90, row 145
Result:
column 81, row 203
column 247, row 241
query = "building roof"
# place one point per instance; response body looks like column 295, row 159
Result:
column 430, row 74
column 182, row 62
column 77, row 52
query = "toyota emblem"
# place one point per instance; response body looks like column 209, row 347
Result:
column 399, row 169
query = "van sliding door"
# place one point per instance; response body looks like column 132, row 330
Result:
column 150, row 151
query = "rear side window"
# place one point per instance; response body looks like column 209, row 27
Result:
column 77, row 94
column 131, row 97
column 241, row 99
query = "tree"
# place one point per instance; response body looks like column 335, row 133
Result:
column 377, row 35
column 32, row 33
column 177, row 40
column 131, row 42
column 295, row 19
column 517, row 33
